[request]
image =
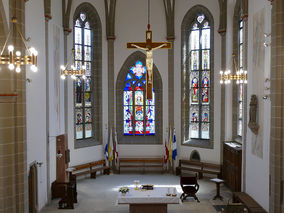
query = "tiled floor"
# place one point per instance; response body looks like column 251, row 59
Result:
column 99, row 195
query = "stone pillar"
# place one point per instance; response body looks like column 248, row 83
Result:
column 13, row 147
column 222, row 31
column 277, row 108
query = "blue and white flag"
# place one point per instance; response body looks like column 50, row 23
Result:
column 106, row 145
column 174, row 147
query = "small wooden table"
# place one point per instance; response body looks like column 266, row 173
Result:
column 141, row 201
column 218, row 182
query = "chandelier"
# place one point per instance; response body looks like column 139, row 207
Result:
column 240, row 77
column 14, row 61
column 74, row 71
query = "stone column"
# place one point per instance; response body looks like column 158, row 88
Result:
column 277, row 108
column 13, row 147
column 222, row 31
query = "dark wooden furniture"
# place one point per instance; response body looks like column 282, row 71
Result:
column 189, row 187
column 90, row 168
column 141, row 163
column 232, row 165
column 67, row 191
column 198, row 167
column 217, row 181
column 58, row 187
column 142, row 208
column 248, row 201
column 235, row 208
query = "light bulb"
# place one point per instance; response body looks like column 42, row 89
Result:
column 32, row 50
column 35, row 52
column 34, row 68
column 221, row 81
column 18, row 69
column 11, row 48
column 73, row 77
column 245, row 72
column 245, row 81
column 63, row 77
column 241, row 81
column 229, row 81
column 229, row 71
column 72, row 67
column 62, row 67
column 221, row 72
column 238, row 82
column 11, row 66
column 18, row 53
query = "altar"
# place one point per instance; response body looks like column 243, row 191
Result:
column 149, row 201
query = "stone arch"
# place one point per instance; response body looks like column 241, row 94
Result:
column 185, row 108
column 194, row 155
column 157, row 139
column 96, row 26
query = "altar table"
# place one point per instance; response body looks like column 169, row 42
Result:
column 141, row 201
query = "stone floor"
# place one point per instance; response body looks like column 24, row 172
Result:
column 99, row 195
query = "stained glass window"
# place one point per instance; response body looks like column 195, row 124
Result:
column 139, row 112
column 240, row 86
column 200, row 68
column 83, row 86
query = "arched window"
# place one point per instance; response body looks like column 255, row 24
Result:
column 197, row 77
column 83, row 90
column 139, row 121
column 240, row 86
column 87, row 91
column 139, row 112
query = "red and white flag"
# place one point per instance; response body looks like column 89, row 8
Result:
column 166, row 156
column 115, row 149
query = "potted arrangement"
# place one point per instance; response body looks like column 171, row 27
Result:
column 124, row 190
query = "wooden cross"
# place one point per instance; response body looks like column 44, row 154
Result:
column 149, row 46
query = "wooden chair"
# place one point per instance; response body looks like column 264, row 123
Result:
column 189, row 187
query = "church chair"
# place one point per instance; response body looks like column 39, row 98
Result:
column 189, row 187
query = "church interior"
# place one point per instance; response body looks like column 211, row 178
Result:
column 104, row 100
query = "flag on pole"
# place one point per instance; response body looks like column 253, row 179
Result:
column 115, row 148
column 110, row 147
column 166, row 156
column 106, row 145
column 174, row 146
column 170, row 147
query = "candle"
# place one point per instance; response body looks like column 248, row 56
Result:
column 175, row 190
column 168, row 190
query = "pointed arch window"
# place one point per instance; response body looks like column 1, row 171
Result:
column 138, row 112
column 200, row 81
column 83, row 40
column 240, row 86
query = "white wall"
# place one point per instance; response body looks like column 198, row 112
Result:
column 257, row 167
column 182, row 6
column 36, row 97
column 56, row 85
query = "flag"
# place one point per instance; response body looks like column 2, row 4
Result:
column 110, row 147
column 115, row 148
column 166, row 156
column 174, row 147
column 106, row 146
column 170, row 147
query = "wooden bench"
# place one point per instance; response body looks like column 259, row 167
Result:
column 248, row 201
column 141, row 163
column 90, row 168
column 198, row 167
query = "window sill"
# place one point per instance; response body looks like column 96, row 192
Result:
column 200, row 143
column 85, row 143
column 139, row 140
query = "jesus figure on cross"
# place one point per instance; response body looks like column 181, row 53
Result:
column 149, row 46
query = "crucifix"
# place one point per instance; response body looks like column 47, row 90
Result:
column 149, row 46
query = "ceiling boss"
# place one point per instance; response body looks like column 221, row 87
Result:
column 149, row 46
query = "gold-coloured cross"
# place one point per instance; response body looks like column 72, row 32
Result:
column 149, row 46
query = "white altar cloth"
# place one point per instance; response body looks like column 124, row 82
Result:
column 157, row 195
